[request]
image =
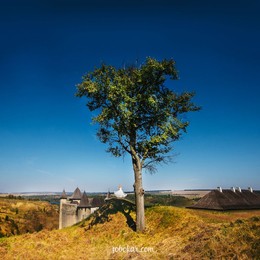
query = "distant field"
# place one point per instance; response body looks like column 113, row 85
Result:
column 191, row 194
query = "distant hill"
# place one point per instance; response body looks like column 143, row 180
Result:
column 172, row 233
column 19, row 216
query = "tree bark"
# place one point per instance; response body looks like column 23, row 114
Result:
column 139, row 195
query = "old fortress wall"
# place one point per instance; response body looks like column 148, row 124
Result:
column 76, row 208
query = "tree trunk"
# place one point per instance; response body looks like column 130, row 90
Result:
column 139, row 196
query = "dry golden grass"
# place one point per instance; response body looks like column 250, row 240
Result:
column 22, row 216
column 172, row 233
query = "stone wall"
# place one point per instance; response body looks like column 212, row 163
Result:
column 83, row 213
column 68, row 216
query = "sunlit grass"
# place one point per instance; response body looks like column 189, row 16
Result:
column 22, row 216
column 172, row 233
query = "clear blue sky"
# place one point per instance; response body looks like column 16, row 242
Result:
column 46, row 140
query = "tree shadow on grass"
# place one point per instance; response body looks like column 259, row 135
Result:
column 113, row 206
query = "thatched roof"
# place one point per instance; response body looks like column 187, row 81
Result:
column 229, row 200
column 76, row 194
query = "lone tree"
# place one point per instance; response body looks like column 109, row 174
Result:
column 138, row 115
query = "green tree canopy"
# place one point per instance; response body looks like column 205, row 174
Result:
column 136, row 108
column 137, row 113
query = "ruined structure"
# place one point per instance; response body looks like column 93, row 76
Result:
column 76, row 208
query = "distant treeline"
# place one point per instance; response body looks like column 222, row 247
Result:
column 10, row 196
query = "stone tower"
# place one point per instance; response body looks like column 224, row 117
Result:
column 84, row 208
column 68, row 209
column 63, row 200
column 76, row 208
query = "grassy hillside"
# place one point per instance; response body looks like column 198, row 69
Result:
column 18, row 216
column 172, row 233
